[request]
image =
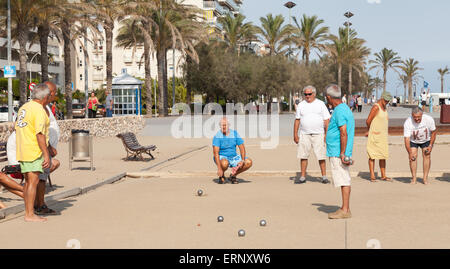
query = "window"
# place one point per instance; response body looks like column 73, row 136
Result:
column 81, row 76
column 80, row 63
column 81, row 49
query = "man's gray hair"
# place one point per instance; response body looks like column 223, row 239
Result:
column 40, row 92
column 416, row 110
column 333, row 91
column 312, row 88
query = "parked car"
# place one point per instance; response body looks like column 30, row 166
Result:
column 4, row 113
column 78, row 110
column 101, row 111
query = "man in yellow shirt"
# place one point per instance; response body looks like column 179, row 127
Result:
column 31, row 144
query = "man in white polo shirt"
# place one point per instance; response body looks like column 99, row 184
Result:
column 312, row 118
column 419, row 132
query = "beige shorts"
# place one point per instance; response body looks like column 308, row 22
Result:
column 340, row 172
column 316, row 142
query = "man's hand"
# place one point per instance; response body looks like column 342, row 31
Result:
column 428, row 150
column 296, row 139
column 411, row 157
column 52, row 151
column 366, row 134
column 46, row 162
column 343, row 160
column 219, row 171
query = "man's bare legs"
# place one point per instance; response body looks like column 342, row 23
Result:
column 383, row 171
column 426, row 166
column 40, row 195
column 11, row 185
column 224, row 164
column 323, row 167
column 31, row 182
column 245, row 166
column 413, row 165
column 345, row 198
column 303, row 166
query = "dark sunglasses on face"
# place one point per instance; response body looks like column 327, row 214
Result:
column 307, row 94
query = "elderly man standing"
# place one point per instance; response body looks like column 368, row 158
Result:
column 31, row 148
column 340, row 135
column 225, row 155
column 312, row 118
column 419, row 132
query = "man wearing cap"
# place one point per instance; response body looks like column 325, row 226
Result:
column 377, row 144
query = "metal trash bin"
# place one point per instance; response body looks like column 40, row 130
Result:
column 445, row 114
column 80, row 147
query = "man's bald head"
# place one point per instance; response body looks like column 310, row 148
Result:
column 52, row 87
column 224, row 125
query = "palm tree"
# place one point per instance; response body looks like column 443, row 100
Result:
column 410, row 68
column 404, row 80
column 356, row 55
column 442, row 73
column 107, row 12
column 309, row 35
column 22, row 20
column 236, row 32
column 385, row 60
column 337, row 51
column 273, row 32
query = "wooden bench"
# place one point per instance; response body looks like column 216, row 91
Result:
column 4, row 158
column 133, row 148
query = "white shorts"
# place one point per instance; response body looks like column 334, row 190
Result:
column 314, row 141
column 340, row 172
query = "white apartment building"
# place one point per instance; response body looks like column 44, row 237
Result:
column 134, row 64
column 56, row 63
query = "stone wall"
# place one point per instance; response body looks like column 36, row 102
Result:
column 99, row 127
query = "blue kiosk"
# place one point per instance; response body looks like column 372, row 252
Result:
column 126, row 92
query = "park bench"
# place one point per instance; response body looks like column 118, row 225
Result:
column 133, row 148
column 4, row 158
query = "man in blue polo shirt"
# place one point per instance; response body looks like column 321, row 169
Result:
column 225, row 155
column 340, row 135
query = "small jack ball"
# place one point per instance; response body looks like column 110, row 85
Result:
column 199, row 192
column 262, row 223
column 220, row 219
column 241, row 233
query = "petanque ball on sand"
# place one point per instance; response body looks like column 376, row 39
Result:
column 241, row 233
column 262, row 223
column 219, row 219
column 199, row 192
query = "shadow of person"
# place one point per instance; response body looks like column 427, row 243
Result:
column 445, row 177
column 227, row 180
column 366, row 175
column 326, row 208
column 54, row 187
column 405, row 180
column 60, row 206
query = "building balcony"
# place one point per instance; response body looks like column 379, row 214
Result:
column 231, row 4
column 218, row 9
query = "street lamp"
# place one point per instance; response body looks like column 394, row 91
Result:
column 10, row 92
column 348, row 15
column 290, row 5
column 31, row 62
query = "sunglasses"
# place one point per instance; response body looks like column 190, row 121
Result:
column 307, row 94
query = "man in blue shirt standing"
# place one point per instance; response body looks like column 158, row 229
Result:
column 225, row 155
column 340, row 135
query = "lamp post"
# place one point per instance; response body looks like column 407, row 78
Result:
column 10, row 92
column 348, row 15
column 31, row 62
column 290, row 5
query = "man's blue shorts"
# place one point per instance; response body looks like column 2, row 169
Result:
column 232, row 162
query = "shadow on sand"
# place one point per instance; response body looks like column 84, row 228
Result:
column 227, row 181
column 444, row 178
column 326, row 208
column 308, row 178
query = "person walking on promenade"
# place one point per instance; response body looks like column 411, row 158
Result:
column 359, row 102
column 31, row 148
column 377, row 144
column 419, row 132
column 109, row 104
column 92, row 105
column 312, row 118
column 340, row 135
column 225, row 155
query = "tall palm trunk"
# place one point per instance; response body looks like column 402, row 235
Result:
column 405, row 85
column 307, row 57
column 109, row 62
column 22, row 38
column 44, row 32
column 442, row 84
column 161, row 71
column 339, row 75
column 67, row 68
column 350, row 75
column 410, row 90
column 148, row 78
column 384, row 81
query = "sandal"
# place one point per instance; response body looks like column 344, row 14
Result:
column 234, row 180
column 222, row 180
column 44, row 210
column 387, row 179
column 373, row 180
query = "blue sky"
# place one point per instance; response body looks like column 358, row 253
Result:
column 413, row 28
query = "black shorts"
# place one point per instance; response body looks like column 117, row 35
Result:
column 424, row 103
column 424, row 145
